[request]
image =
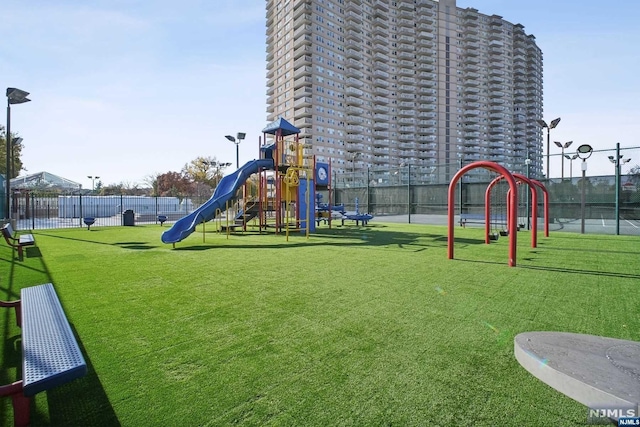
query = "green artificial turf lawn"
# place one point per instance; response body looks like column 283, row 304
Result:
column 353, row 326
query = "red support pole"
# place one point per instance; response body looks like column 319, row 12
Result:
column 545, row 197
column 487, row 208
column 534, row 207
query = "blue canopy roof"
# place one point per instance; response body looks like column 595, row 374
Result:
column 282, row 125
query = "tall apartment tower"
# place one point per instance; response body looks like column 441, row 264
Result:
column 382, row 83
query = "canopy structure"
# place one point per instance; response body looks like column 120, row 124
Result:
column 281, row 124
column 44, row 181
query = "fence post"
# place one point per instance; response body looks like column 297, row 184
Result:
column 409, row 190
column 617, row 165
column 368, row 191
column 33, row 211
column 460, row 189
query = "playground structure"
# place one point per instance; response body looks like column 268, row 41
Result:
column 282, row 198
column 511, row 216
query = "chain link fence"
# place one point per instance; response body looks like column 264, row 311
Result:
column 405, row 193
column 611, row 202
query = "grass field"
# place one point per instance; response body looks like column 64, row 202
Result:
column 359, row 326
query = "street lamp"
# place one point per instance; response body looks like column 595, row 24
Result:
column 571, row 159
column 237, row 140
column 217, row 171
column 549, row 126
column 14, row 96
column 93, row 182
column 584, row 152
column 618, row 161
column 563, row 147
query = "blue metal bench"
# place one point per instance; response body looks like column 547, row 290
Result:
column 50, row 353
column 17, row 242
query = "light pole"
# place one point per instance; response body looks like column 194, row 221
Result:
column 618, row 161
column 93, row 182
column 549, row 126
column 237, row 140
column 584, row 152
column 217, row 171
column 14, row 96
column 563, row 147
column 571, row 159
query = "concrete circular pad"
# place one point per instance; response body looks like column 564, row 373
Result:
column 592, row 370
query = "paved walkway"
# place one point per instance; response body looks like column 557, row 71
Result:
column 595, row 371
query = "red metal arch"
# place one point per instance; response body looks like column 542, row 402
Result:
column 512, row 202
column 532, row 183
column 534, row 206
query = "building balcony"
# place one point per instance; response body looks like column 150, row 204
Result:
column 381, row 91
column 405, row 71
column 406, row 112
column 381, row 108
column 304, row 39
column 353, row 138
column 380, row 83
column 354, row 35
column 427, row 83
column 428, row 91
column 352, row 110
column 427, row 107
column 352, row 44
column 302, row 81
column 353, row 54
column 354, row 119
column 303, row 112
column 300, row 31
column 350, row 90
column 381, row 100
column 355, row 73
column 353, row 64
column 381, row 21
column 352, row 100
column 302, row 61
column 353, row 16
column 354, row 82
column 427, row 114
column 381, row 48
column 380, row 139
column 303, row 102
column 407, row 154
column 379, row 56
column 426, row 140
column 380, row 126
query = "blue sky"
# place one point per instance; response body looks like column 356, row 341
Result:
column 126, row 89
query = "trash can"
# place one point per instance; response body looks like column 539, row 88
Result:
column 128, row 217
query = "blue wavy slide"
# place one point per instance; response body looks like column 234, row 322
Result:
column 224, row 192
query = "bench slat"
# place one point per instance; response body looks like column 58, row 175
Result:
column 51, row 355
column 26, row 239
